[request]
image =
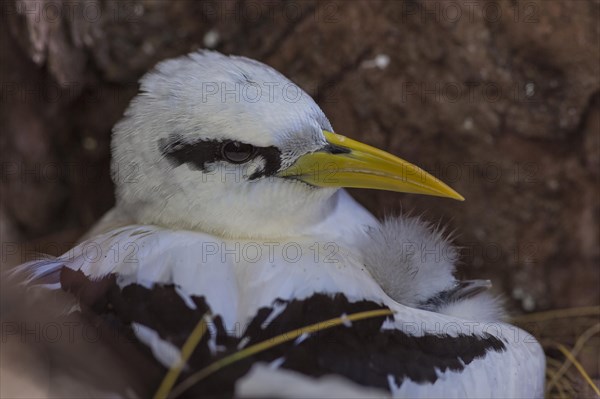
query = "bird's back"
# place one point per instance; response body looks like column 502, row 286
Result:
column 334, row 330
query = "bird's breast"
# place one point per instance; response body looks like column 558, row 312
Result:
column 237, row 277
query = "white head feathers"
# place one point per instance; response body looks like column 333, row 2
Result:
column 206, row 98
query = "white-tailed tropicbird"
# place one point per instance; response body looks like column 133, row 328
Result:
column 229, row 210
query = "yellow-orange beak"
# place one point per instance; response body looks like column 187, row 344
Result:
column 349, row 163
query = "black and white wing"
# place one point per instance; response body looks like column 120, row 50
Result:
column 156, row 285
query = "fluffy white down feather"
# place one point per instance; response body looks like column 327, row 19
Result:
column 409, row 259
column 484, row 307
column 414, row 261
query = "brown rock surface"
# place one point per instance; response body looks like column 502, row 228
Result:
column 501, row 99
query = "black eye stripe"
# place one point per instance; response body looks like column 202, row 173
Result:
column 202, row 153
column 272, row 159
column 198, row 154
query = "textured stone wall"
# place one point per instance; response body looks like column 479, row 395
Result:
column 501, row 99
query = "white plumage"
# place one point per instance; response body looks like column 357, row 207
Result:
column 414, row 264
column 409, row 259
column 264, row 250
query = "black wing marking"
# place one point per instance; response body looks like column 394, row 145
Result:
column 361, row 352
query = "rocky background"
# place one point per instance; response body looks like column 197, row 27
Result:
column 498, row 98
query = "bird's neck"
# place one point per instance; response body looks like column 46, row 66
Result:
column 337, row 217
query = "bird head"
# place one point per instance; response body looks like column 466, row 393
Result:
column 228, row 145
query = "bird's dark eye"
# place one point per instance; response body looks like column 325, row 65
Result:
column 237, row 152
